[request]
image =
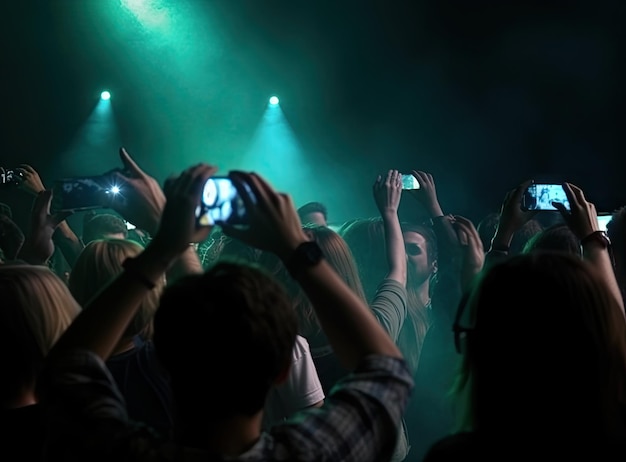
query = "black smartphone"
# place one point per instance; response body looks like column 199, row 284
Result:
column 10, row 176
column 539, row 196
column 222, row 203
column 86, row 193
column 410, row 182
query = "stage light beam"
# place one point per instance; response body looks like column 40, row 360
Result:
column 105, row 95
column 274, row 100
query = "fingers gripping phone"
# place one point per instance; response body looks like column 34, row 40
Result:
column 222, row 203
column 539, row 196
column 410, row 182
column 86, row 193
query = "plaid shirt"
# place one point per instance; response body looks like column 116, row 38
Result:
column 358, row 422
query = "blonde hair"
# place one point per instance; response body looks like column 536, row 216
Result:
column 37, row 307
column 98, row 264
column 47, row 304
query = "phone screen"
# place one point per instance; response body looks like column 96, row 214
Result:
column 539, row 196
column 603, row 220
column 410, row 182
column 84, row 193
column 221, row 203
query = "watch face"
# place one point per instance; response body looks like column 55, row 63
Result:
column 307, row 254
column 312, row 252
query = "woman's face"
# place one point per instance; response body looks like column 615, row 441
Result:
column 417, row 255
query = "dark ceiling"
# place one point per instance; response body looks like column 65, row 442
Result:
column 482, row 94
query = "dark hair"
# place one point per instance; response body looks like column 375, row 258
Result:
column 312, row 207
column 224, row 336
column 574, row 351
column 366, row 239
column 102, row 224
column 555, row 238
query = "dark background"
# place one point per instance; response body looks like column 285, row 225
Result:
column 483, row 95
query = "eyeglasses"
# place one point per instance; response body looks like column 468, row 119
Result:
column 461, row 332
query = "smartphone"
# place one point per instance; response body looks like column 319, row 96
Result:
column 222, row 203
column 539, row 196
column 410, row 182
column 10, row 176
column 86, row 193
column 603, row 220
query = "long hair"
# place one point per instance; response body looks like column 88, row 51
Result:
column 338, row 255
column 98, row 264
column 37, row 307
column 365, row 238
column 421, row 316
column 547, row 342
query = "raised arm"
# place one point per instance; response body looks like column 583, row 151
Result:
column 63, row 237
column 582, row 219
column 389, row 303
column 274, row 225
column 144, row 206
column 447, row 240
column 38, row 246
column 512, row 218
column 100, row 326
column 387, row 193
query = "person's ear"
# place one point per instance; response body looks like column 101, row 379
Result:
column 434, row 266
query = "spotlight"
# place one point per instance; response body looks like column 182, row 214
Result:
column 274, row 100
column 115, row 189
column 105, row 95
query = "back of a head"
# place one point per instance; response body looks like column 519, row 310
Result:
column 547, row 340
column 339, row 257
column 529, row 230
column 314, row 213
column 103, row 225
column 555, row 238
column 37, row 307
column 366, row 239
column 224, row 336
column 98, row 264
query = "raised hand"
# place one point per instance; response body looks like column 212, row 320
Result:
column 427, row 193
column 512, row 217
column 472, row 251
column 273, row 223
column 31, row 181
column 178, row 227
column 387, row 195
column 387, row 192
column 582, row 218
column 38, row 247
column 144, row 198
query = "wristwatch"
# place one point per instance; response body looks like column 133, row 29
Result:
column 602, row 239
column 597, row 236
column 306, row 255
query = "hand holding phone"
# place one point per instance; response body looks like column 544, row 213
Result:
column 540, row 196
column 222, row 203
column 86, row 193
column 410, row 182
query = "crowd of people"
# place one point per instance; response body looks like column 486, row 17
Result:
column 381, row 339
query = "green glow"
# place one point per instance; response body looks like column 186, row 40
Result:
column 150, row 13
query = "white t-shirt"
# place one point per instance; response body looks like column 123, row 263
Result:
column 302, row 388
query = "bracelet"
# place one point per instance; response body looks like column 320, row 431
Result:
column 129, row 266
column 601, row 238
